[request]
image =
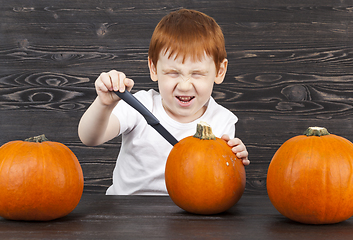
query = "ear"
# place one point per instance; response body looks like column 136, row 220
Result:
column 153, row 70
column 222, row 71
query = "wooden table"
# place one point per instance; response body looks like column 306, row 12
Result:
column 151, row 217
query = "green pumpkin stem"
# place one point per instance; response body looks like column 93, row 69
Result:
column 204, row 131
column 37, row 139
column 316, row 131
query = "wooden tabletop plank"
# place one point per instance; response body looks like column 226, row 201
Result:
column 151, row 217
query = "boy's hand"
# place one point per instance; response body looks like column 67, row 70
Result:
column 111, row 81
column 238, row 148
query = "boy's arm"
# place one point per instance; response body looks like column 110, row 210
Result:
column 98, row 124
column 238, row 148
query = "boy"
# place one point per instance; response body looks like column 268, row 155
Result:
column 186, row 56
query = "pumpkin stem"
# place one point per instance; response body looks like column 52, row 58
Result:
column 204, row 131
column 316, row 131
column 37, row 139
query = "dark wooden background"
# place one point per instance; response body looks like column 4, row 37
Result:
column 290, row 67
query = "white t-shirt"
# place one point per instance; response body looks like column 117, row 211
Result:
column 141, row 162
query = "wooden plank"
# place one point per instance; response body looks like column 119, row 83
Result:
column 149, row 217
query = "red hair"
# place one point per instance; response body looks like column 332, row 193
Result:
column 188, row 33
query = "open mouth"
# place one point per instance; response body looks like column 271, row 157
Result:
column 185, row 99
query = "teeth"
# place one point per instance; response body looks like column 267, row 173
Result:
column 185, row 99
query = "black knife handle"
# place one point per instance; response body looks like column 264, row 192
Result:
column 150, row 118
column 133, row 102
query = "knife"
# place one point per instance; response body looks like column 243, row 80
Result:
column 150, row 118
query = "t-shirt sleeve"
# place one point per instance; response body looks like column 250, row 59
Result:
column 127, row 115
column 221, row 120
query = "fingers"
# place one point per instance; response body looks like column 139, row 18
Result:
column 225, row 137
column 117, row 81
column 129, row 83
column 238, row 148
column 236, row 144
column 246, row 162
column 107, row 82
column 113, row 81
column 242, row 155
column 103, row 83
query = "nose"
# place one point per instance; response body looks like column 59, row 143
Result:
column 185, row 78
column 184, row 85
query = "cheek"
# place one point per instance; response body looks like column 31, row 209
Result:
column 204, row 89
column 166, row 90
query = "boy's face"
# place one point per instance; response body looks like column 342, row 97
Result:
column 186, row 87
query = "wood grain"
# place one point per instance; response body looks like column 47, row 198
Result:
column 156, row 217
column 290, row 67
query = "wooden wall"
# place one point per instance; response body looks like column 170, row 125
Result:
column 290, row 67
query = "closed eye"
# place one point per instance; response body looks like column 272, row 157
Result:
column 198, row 75
column 173, row 74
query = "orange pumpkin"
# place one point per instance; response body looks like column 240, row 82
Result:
column 203, row 175
column 310, row 179
column 39, row 180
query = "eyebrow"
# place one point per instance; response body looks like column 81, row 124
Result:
column 199, row 71
column 170, row 70
column 167, row 69
column 202, row 72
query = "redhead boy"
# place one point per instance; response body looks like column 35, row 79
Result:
column 186, row 57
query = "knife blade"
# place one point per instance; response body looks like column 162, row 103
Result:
column 150, row 118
